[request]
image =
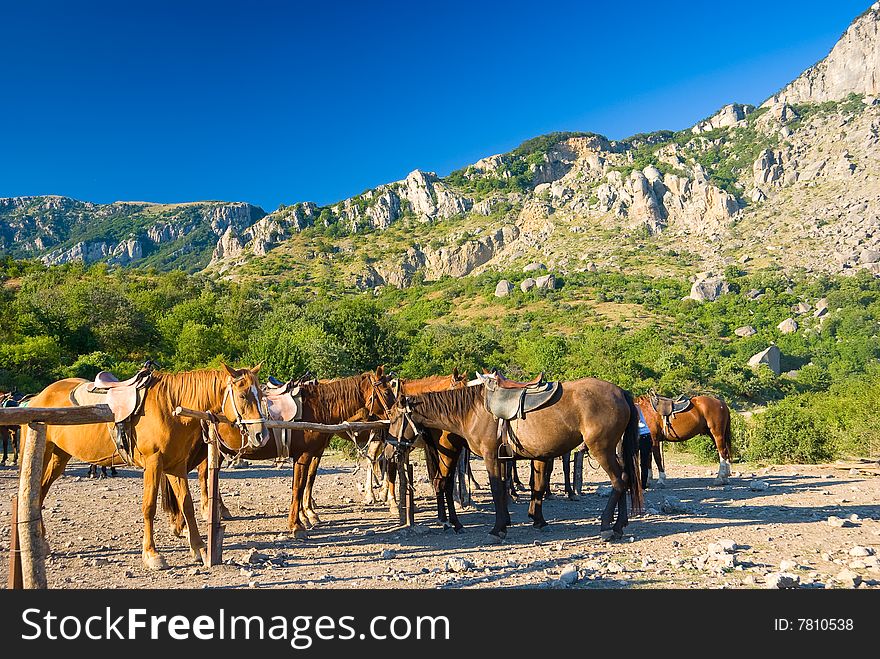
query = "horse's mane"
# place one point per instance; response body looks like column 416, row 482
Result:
column 455, row 403
column 201, row 389
column 339, row 398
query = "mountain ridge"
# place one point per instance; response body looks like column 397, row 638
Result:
column 724, row 190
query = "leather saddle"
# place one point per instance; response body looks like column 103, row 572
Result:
column 669, row 406
column 508, row 400
column 125, row 398
column 284, row 403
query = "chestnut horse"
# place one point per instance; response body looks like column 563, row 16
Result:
column 162, row 442
column 358, row 397
column 707, row 415
column 589, row 410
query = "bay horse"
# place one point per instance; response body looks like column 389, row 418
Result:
column 162, row 442
column 590, row 410
column 354, row 398
column 707, row 415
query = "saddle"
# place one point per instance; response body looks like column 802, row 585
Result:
column 504, row 383
column 125, row 398
column 283, row 403
column 507, row 400
column 667, row 408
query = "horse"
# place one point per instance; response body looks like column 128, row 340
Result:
column 9, row 434
column 590, row 410
column 706, row 415
column 161, row 441
column 354, row 398
column 442, row 448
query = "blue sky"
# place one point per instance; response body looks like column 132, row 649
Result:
column 278, row 102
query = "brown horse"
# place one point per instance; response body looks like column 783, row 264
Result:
column 358, row 397
column 589, row 410
column 707, row 415
column 442, row 448
column 162, row 442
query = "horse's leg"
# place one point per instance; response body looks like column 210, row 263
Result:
column 308, row 502
column 499, row 495
column 449, row 469
column 578, row 475
column 718, row 429
column 54, row 462
column 4, row 432
column 185, row 503
column 645, row 448
column 566, row 467
column 300, row 469
column 390, row 483
column 152, row 477
column 608, row 462
column 657, row 449
column 541, row 471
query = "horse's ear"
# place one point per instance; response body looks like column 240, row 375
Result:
column 229, row 371
column 380, row 371
column 455, row 373
column 256, row 369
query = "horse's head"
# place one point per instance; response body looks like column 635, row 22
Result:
column 402, row 427
column 381, row 394
column 243, row 402
column 457, row 379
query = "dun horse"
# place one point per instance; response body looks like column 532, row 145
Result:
column 161, row 442
column 705, row 416
column 589, row 410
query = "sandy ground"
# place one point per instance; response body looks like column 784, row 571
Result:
column 94, row 529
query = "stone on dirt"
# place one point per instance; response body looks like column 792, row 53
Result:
column 861, row 551
column 388, row 554
column 456, row 564
column 782, row 580
column 759, row 486
column 848, row 578
column 569, row 574
column 837, row 522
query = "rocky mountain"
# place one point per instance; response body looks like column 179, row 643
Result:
column 792, row 184
column 59, row 229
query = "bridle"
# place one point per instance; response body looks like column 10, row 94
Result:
column 239, row 421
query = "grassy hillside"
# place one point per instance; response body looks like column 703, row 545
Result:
column 634, row 330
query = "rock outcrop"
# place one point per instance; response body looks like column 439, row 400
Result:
column 851, row 67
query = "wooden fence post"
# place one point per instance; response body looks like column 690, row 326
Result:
column 215, row 528
column 405, row 503
column 13, row 582
column 30, row 519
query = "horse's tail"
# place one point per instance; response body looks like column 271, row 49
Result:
column 169, row 499
column 728, row 435
column 631, row 455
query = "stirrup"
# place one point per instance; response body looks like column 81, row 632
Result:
column 505, row 453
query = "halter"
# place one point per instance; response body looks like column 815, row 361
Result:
column 240, row 422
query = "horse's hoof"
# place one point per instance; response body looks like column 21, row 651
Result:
column 177, row 531
column 502, row 534
column 300, row 534
column 314, row 519
column 573, row 497
column 719, row 481
column 224, row 513
column 154, row 561
column 493, row 539
column 203, row 556
column 606, row 534
column 458, row 529
column 660, row 485
column 541, row 525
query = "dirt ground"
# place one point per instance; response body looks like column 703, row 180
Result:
column 94, row 528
